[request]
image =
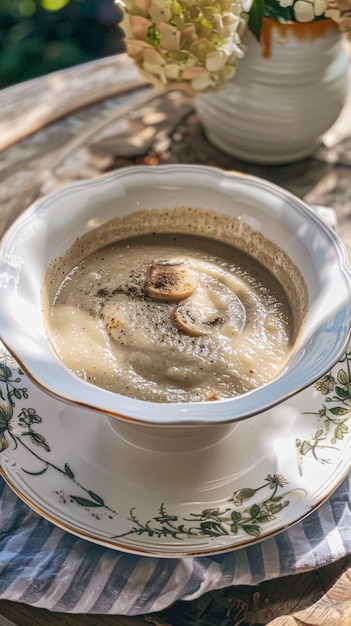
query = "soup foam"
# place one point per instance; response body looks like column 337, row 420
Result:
column 175, row 305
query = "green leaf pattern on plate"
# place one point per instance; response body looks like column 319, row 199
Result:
column 248, row 508
column 333, row 414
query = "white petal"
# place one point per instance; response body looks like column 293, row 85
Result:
column 303, row 11
column 160, row 14
column 142, row 5
column 246, row 4
column 333, row 14
column 215, row 61
column 202, row 82
column 152, row 56
column 319, row 7
column 173, row 71
column 170, row 36
column 152, row 68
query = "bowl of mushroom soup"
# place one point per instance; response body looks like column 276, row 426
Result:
column 173, row 296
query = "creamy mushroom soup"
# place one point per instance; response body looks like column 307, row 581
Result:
column 173, row 317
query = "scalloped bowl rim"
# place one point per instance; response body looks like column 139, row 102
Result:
column 274, row 209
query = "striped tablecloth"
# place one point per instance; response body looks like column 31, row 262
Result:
column 46, row 567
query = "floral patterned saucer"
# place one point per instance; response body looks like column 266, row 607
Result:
column 71, row 467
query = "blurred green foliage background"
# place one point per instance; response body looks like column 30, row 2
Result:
column 41, row 36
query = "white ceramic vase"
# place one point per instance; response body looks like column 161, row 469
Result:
column 288, row 90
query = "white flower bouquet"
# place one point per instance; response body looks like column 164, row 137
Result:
column 195, row 45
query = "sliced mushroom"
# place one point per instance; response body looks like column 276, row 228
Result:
column 171, row 280
column 196, row 320
column 169, row 262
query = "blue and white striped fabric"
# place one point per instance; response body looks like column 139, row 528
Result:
column 46, row 567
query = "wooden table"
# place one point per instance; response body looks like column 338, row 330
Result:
column 83, row 122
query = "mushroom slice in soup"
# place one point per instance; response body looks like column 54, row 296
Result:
column 214, row 306
column 170, row 280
